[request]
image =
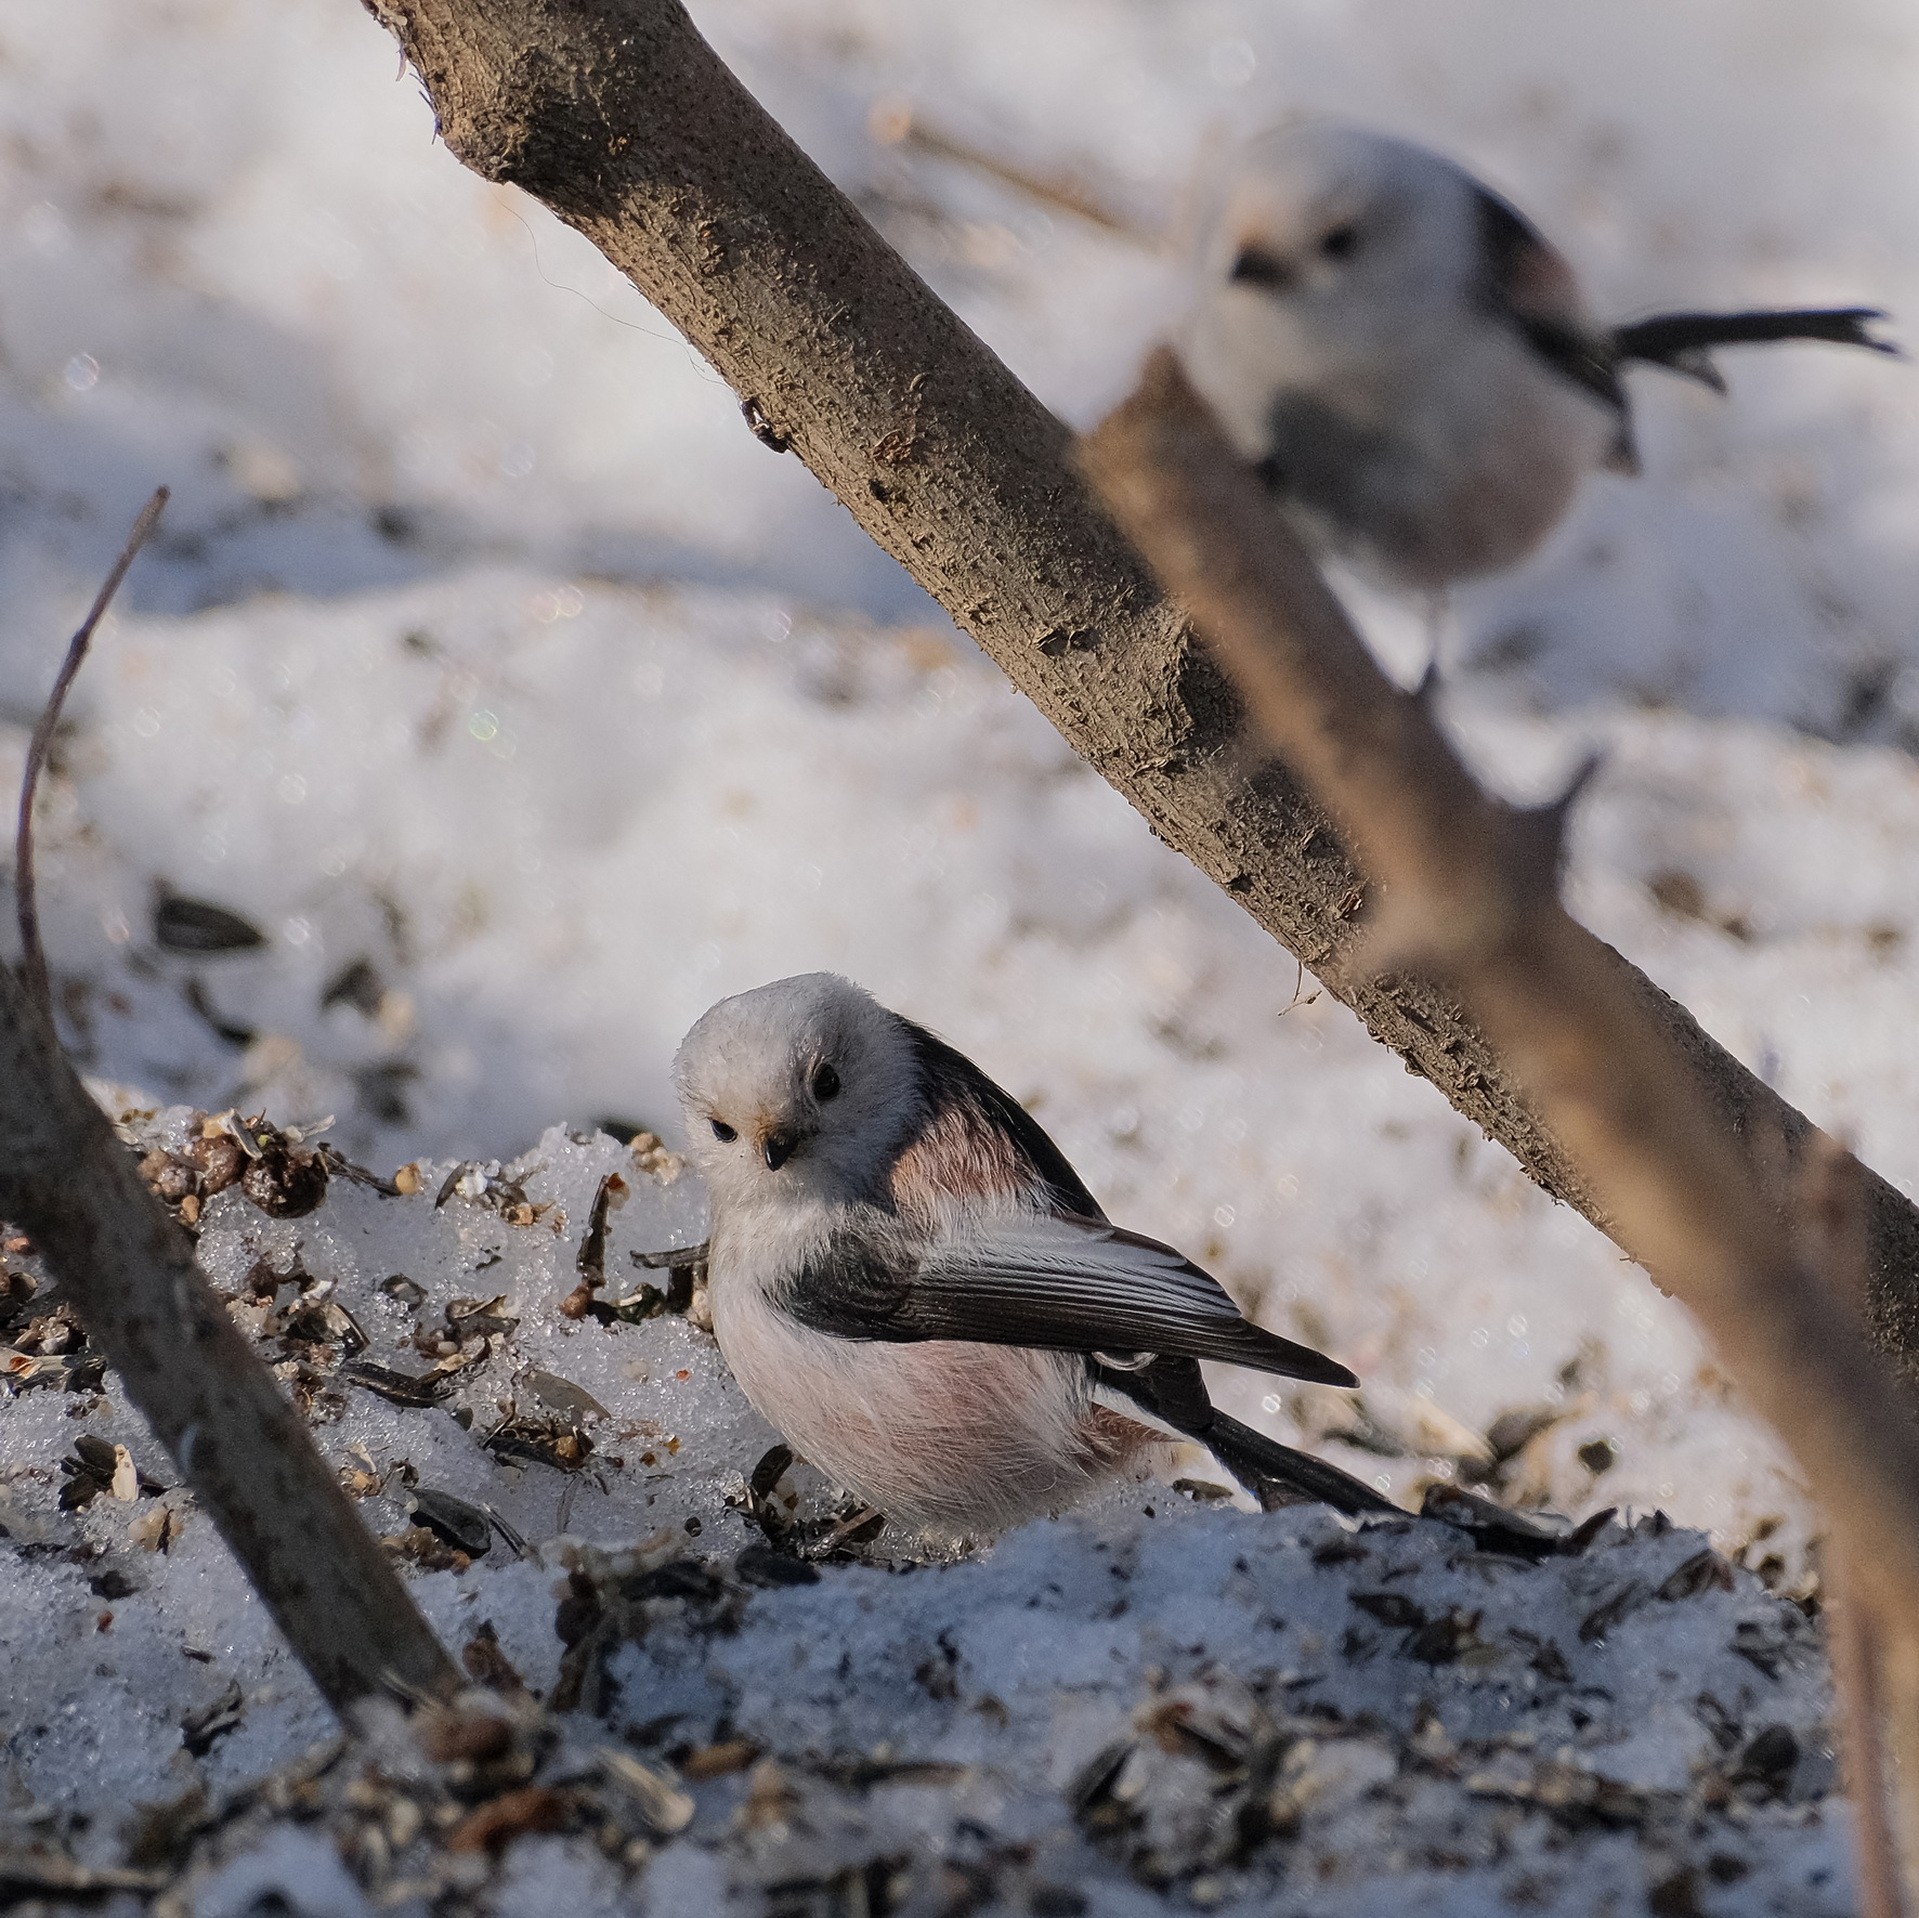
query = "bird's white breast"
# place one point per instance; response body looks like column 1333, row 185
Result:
column 1439, row 450
column 955, row 1437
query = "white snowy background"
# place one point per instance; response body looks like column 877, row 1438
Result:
column 526, row 704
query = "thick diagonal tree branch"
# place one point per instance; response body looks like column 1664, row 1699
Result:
column 128, row 1269
column 620, row 118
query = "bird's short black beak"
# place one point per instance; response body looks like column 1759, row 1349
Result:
column 777, row 1147
column 1256, row 266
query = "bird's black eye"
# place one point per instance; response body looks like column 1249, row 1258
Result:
column 1257, row 267
column 1341, row 243
column 826, row 1084
column 724, row 1132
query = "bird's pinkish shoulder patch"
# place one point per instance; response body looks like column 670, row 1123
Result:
column 958, row 1153
column 974, row 1141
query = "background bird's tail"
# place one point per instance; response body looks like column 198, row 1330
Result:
column 1681, row 342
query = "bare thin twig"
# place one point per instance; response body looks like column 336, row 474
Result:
column 33, row 958
column 1898, row 1665
column 622, row 120
column 1468, row 888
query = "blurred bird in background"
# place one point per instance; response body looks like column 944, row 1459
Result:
column 909, row 1280
column 1411, row 365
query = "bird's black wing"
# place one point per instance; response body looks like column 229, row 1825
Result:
column 1059, row 1283
column 1524, row 283
column 1079, row 1285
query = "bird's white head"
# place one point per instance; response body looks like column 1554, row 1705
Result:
column 802, row 1088
column 1331, row 245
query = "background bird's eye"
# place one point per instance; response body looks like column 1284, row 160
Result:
column 724, row 1132
column 826, row 1084
column 1341, row 243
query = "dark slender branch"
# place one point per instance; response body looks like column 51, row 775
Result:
column 33, row 958
column 128, row 1270
column 621, row 119
column 1468, row 889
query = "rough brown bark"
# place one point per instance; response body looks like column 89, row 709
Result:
column 619, row 117
column 128, row 1269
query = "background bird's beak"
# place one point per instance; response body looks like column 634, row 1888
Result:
column 777, row 1147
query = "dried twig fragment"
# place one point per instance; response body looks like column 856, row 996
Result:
column 33, row 960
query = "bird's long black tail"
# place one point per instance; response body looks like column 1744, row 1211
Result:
column 1172, row 1394
column 1254, row 1459
column 1682, row 342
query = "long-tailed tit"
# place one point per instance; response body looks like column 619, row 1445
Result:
column 910, row 1281
column 1412, row 366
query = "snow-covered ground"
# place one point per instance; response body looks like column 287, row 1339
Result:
column 1157, row 1693
column 525, row 704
